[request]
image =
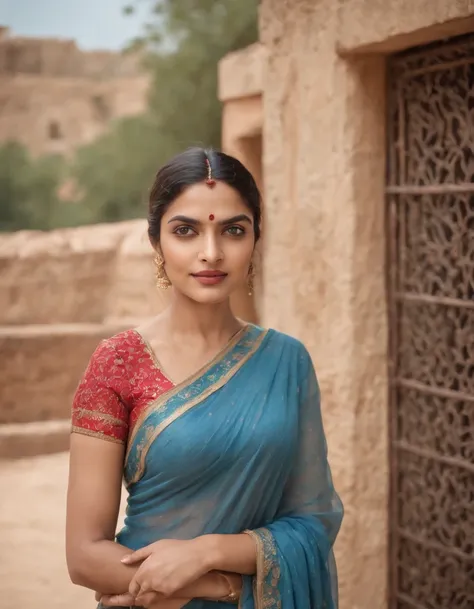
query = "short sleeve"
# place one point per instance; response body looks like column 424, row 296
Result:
column 97, row 408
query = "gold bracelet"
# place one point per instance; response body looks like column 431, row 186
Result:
column 233, row 596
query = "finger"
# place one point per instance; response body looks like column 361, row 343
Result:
column 137, row 556
column 134, row 588
column 118, row 600
column 98, row 596
column 146, row 599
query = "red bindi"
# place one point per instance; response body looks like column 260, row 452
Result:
column 211, row 217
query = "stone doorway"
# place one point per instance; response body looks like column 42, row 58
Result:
column 430, row 232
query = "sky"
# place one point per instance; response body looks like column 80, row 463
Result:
column 94, row 24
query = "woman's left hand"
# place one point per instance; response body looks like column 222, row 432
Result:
column 167, row 566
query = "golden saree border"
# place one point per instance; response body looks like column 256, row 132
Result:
column 154, row 432
column 163, row 398
column 265, row 584
column 220, row 354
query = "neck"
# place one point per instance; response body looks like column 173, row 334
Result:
column 207, row 321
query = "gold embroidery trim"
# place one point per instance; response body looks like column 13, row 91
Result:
column 185, row 407
column 258, row 581
column 162, row 399
column 95, row 434
column 101, row 416
column 266, row 594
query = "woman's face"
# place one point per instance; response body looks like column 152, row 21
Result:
column 207, row 241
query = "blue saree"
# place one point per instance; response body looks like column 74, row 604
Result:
column 240, row 447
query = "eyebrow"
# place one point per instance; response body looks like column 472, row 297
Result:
column 194, row 222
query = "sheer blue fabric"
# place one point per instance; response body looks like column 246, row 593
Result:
column 240, row 447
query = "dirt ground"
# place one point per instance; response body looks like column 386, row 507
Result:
column 33, row 572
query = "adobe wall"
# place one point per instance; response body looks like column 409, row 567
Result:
column 324, row 251
column 389, row 25
column 324, row 167
column 240, row 87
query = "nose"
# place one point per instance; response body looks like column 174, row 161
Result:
column 211, row 250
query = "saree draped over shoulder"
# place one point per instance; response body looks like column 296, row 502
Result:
column 238, row 447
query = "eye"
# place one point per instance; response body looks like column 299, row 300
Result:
column 235, row 231
column 184, row 231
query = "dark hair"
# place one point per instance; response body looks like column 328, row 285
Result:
column 191, row 167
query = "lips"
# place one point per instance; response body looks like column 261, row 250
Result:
column 210, row 274
column 209, row 278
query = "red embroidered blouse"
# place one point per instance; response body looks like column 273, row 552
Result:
column 121, row 379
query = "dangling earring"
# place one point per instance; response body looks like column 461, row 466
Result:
column 162, row 280
column 250, row 278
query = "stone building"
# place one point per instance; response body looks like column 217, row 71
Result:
column 55, row 97
column 357, row 118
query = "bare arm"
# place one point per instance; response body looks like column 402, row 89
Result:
column 232, row 553
column 93, row 502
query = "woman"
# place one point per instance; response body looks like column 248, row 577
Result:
column 214, row 424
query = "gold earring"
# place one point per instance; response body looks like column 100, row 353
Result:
column 250, row 278
column 162, row 280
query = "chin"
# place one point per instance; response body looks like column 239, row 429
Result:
column 211, row 299
column 207, row 295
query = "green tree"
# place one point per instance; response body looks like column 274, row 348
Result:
column 14, row 165
column 28, row 189
column 113, row 172
column 183, row 44
column 184, row 95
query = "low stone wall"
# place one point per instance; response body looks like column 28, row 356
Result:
column 88, row 274
column 41, row 367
